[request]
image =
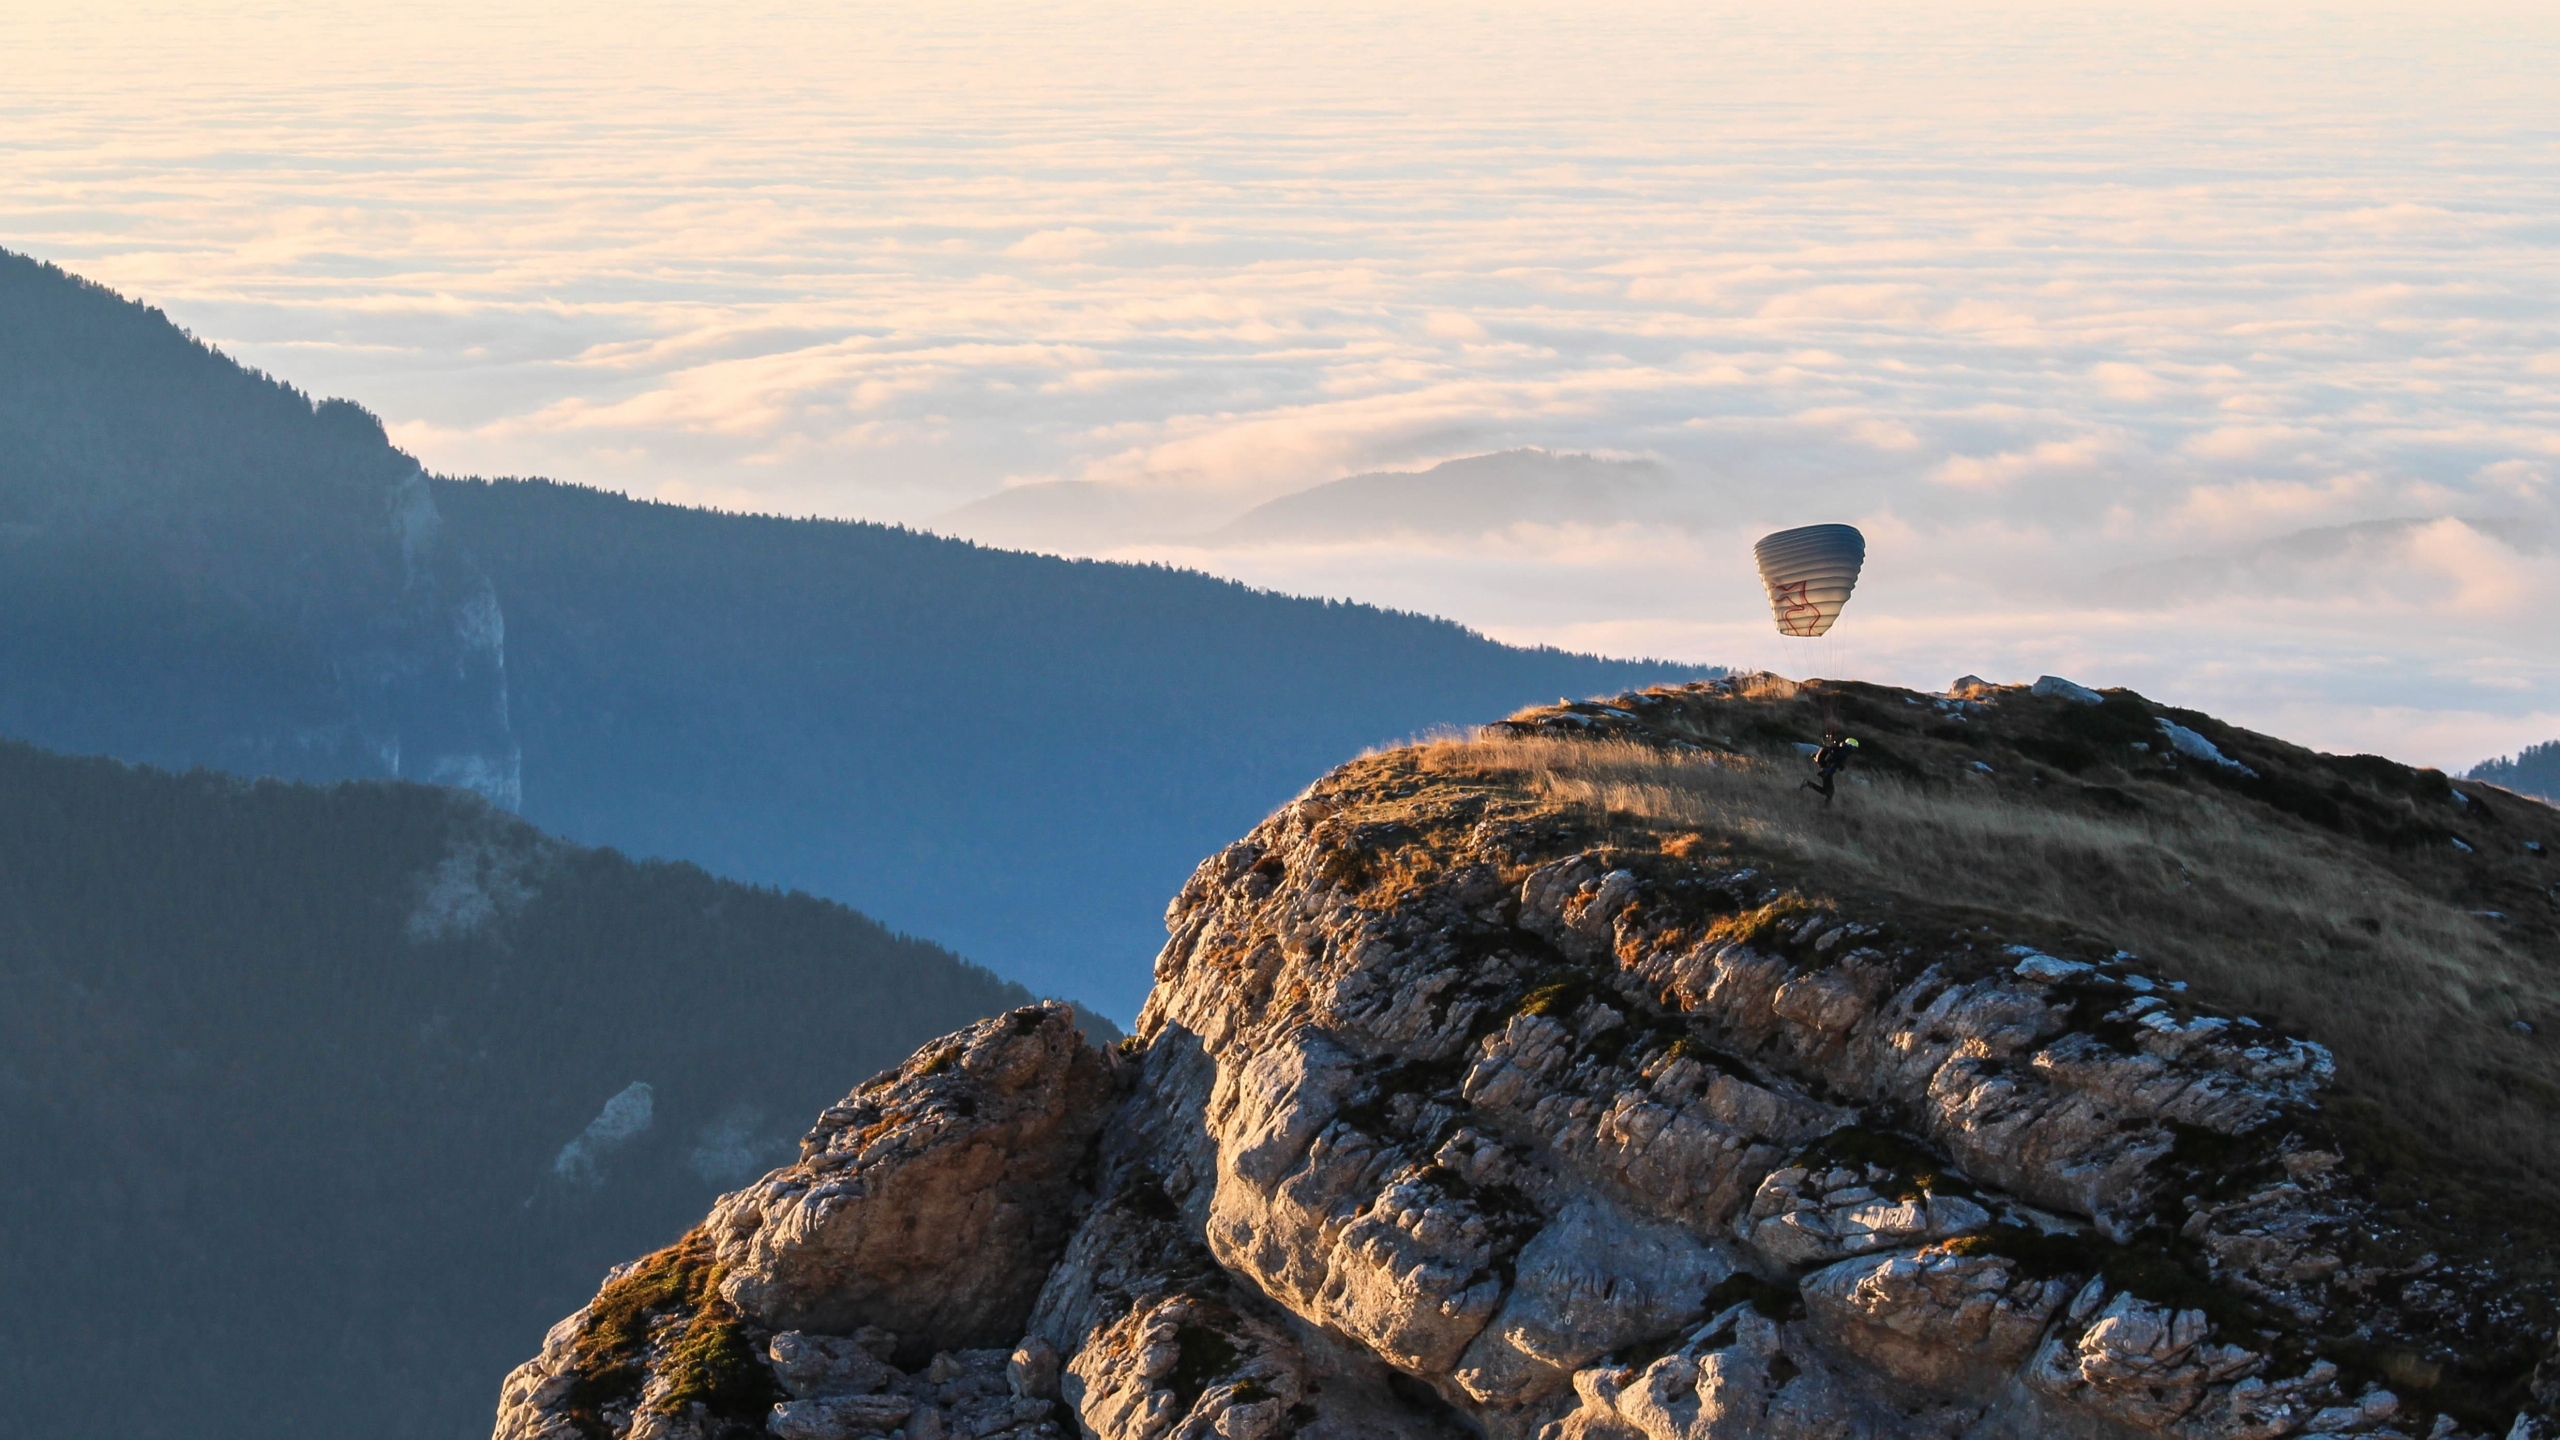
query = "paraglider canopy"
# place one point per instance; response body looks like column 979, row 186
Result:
column 1810, row 572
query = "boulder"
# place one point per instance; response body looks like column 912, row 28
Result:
column 931, row 1201
column 2061, row 689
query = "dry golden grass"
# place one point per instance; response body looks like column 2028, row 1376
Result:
column 2312, row 931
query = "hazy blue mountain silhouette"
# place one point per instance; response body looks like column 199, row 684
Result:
column 1463, row 497
column 200, row 566
column 2302, row 564
column 1071, row 515
column 318, row 1104
column 1018, row 755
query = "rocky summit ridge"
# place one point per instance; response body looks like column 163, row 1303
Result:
column 1574, row 1081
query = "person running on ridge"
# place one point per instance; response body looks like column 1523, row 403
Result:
column 1827, row 763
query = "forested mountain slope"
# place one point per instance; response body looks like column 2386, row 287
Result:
column 317, row 1100
column 1016, row 754
column 201, row 566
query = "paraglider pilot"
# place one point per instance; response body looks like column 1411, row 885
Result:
column 1827, row 763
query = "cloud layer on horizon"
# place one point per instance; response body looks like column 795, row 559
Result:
column 2029, row 295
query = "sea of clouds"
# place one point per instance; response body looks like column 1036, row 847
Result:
column 2213, row 350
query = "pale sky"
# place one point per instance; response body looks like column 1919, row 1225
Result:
column 2029, row 292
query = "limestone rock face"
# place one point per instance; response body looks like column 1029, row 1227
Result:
column 875, row 1286
column 930, row 1203
column 1940, row 1322
column 1806, row 1214
column 1188, row 1369
column 1739, row 1377
column 1447, row 1117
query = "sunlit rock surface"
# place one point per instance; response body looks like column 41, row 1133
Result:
column 1454, row 1113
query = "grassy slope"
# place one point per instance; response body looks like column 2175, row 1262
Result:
column 2330, row 895
column 2326, row 895
column 272, row 1155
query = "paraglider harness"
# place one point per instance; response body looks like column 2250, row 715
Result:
column 1827, row 764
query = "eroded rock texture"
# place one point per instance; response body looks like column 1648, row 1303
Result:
column 876, row 1286
column 1447, row 1118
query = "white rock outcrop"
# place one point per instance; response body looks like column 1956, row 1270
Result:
column 1445, row 1120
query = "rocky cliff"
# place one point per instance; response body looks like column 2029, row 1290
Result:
column 1584, row 1080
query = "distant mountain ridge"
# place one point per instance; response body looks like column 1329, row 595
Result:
column 1081, row 515
column 1016, row 754
column 1463, row 497
column 2300, row 562
column 1011, row 753
column 379, row 1067
column 1466, row 497
column 201, row 566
